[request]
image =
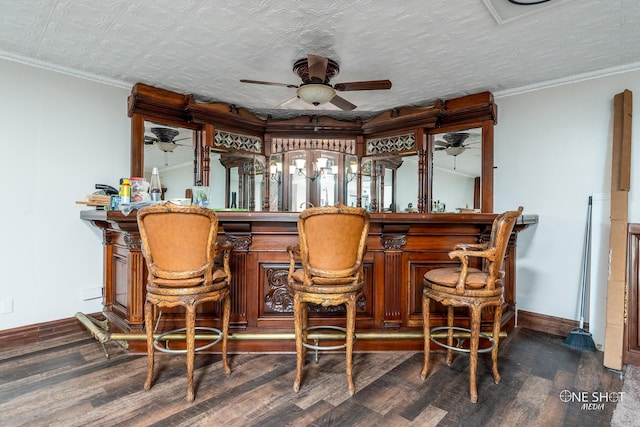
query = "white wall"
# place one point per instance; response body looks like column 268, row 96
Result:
column 553, row 150
column 180, row 177
column 408, row 191
column 60, row 136
column 452, row 189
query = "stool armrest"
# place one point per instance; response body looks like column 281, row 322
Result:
column 224, row 251
column 472, row 246
column 463, row 256
column 294, row 254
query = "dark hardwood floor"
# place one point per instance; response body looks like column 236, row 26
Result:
column 68, row 382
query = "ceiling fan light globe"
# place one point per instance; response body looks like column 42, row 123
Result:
column 316, row 94
column 167, row 147
column 454, row 151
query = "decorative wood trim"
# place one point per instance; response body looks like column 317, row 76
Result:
column 164, row 104
column 18, row 337
column 234, row 142
column 226, row 116
column 547, row 324
column 240, row 243
column 397, row 144
column 470, row 108
column 278, row 298
column 283, row 145
column 310, row 126
column 160, row 103
column 404, row 118
column 132, row 242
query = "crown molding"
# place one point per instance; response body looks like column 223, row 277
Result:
column 568, row 80
column 64, row 70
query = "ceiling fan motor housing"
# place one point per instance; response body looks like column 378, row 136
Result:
column 301, row 69
column 456, row 139
column 165, row 134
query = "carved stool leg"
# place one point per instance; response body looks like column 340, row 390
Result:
column 191, row 345
column 298, row 322
column 226, row 312
column 148, row 324
column 450, row 334
column 426, row 307
column 304, row 308
column 476, row 312
column 497, row 320
column 351, row 326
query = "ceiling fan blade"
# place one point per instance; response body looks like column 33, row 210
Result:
column 182, row 139
column 258, row 82
column 364, row 85
column 441, row 142
column 342, row 103
column 317, row 67
column 287, row 102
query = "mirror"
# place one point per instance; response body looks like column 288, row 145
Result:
column 276, row 174
column 171, row 150
column 457, row 168
column 387, row 184
column 237, row 181
column 390, row 184
column 351, row 170
column 406, row 178
column 313, row 177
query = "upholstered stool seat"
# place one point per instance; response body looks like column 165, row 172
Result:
column 477, row 289
column 331, row 249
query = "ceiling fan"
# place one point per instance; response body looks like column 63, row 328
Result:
column 316, row 72
column 453, row 143
column 164, row 139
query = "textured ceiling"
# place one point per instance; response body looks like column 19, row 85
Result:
column 428, row 49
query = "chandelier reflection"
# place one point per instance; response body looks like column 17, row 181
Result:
column 352, row 171
column 275, row 171
column 320, row 167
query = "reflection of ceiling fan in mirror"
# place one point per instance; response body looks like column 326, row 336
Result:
column 454, row 143
column 164, row 139
column 177, row 142
column 316, row 72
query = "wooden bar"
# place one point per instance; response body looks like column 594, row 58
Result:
column 400, row 249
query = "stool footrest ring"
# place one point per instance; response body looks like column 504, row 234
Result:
column 175, row 331
column 326, row 347
column 460, row 349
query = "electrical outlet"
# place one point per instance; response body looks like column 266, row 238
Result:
column 6, row 306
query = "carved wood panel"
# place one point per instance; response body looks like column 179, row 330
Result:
column 278, row 301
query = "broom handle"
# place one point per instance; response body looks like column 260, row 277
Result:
column 585, row 271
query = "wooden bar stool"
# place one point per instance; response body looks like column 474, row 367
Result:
column 464, row 286
column 179, row 246
column 331, row 249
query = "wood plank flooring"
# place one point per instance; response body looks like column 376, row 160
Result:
column 68, row 382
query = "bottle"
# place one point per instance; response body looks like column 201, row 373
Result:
column 125, row 195
column 155, row 189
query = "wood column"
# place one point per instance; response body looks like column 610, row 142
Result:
column 393, row 240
